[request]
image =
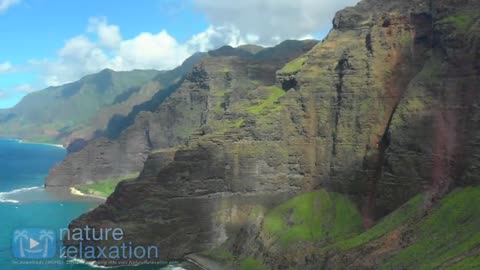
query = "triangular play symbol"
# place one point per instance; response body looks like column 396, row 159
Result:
column 33, row 243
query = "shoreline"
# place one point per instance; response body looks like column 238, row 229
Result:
column 65, row 193
column 77, row 192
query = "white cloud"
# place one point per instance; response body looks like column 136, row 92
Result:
column 3, row 94
column 81, row 56
column 109, row 35
column 5, row 66
column 78, row 57
column 273, row 20
column 147, row 50
column 6, row 4
column 84, row 54
column 216, row 36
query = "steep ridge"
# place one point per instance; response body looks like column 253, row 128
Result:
column 84, row 106
column 382, row 110
column 170, row 80
column 200, row 98
column 90, row 107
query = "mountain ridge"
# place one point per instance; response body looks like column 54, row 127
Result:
column 174, row 121
column 107, row 93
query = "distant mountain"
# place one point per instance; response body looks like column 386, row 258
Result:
column 251, row 48
column 83, row 109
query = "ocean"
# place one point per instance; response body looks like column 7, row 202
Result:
column 24, row 203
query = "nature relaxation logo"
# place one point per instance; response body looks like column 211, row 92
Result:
column 34, row 244
column 91, row 244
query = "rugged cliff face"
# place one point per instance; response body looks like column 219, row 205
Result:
column 391, row 94
column 201, row 98
column 381, row 110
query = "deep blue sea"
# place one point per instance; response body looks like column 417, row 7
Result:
column 24, row 203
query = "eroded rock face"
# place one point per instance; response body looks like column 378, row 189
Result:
column 390, row 100
column 104, row 158
column 184, row 113
column 366, row 66
column 383, row 109
column 189, row 205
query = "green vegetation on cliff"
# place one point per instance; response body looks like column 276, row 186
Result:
column 315, row 216
column 105, row 187
column 396, row 219
column 252, row 264
column 294, row 65
column 274, row 93
column 446, row 237
column 449, row 233
column 468, row 263
column 462, row 22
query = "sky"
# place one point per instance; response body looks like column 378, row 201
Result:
column 52, row 42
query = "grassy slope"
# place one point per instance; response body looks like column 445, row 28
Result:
column 274, row 93
column 399, row 217
column 451, row 231
column 252, row 264
column 469, row 263
column 294, row 65
column 316, row 216
column 448, row 237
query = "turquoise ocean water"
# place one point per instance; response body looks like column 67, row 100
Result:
column 24, row 203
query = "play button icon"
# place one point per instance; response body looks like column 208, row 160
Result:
column 33, row 243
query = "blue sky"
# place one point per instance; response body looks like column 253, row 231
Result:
column 39, row 27
column 51, row 42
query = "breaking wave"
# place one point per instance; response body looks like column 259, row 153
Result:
column 5, row 197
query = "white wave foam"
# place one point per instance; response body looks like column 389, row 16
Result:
column 91, row 264
column 20, row 190
column 8, row 201
column 4, row 196
column 27, row 142
column 94, row 265
column 49, row 144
